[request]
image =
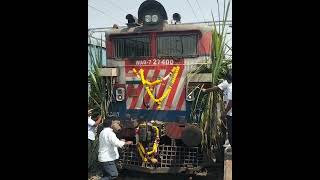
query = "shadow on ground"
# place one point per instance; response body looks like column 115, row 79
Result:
column 129, row 175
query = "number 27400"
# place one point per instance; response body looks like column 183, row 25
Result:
column 155, row 62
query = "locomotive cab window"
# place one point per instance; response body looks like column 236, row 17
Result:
column 131, row 47
column 177, row 45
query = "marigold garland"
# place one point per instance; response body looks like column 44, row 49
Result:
column 142, row 152
column 147, row 84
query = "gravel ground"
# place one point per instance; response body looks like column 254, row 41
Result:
column 160, row 177
column 213, row 174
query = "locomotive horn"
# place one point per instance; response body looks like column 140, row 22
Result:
column 132, row 21
column 176, row 17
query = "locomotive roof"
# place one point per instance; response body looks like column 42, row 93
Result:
column 165, row 28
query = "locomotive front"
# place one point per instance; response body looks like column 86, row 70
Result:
column 148, row 66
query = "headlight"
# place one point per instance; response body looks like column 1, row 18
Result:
column 155, row 18
column 147, row 18
column 120, row 94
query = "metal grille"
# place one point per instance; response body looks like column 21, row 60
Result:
column 169, row 156
column 182, row 45
column 131, row 47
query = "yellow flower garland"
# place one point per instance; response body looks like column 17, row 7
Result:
column 143, row 154
column 140, row 74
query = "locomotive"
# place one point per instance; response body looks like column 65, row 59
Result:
column 151, row 77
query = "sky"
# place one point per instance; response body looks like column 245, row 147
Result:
column 105, row 13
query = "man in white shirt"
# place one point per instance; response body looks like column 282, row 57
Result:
column 226, row 87
column 108, row 149
column 91, row 133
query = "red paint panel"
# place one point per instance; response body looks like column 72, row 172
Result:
column 130, row 64
column 109, row 48
column 174, row 130
column 174, row 89
column 153, row 44
column 146, row 96
column 181, row 99
column 162, row 86
column 204, row 44
column 131, row 91
column 139, row 90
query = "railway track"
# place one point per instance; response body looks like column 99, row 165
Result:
column 214, row 173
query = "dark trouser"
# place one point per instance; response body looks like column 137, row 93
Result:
column 229, row 126
column 90, row 142
column 109, row 170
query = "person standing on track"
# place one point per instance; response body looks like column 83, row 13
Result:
column 226, row 88
column 92, row 125
column 108, row 149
